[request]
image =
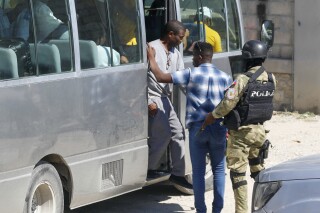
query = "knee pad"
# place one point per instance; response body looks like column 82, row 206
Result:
column 236, row 185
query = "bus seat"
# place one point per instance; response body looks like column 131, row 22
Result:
column 65, row 53
column 48, row 58
column 8, row 64
column 88, row 54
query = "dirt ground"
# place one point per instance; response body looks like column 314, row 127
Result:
column 291, row 134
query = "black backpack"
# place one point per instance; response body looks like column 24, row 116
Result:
column 22, row 50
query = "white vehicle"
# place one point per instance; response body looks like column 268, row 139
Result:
column 73, row 95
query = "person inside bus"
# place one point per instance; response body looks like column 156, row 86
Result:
column 95, row 32
column 205, row 86
column 47, row 25
column 211, row 36
column 5, row 30
column 124, row 29
column 165, row 128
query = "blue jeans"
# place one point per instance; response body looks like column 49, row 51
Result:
column 213, row 141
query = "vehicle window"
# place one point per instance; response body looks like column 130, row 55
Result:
column 234, row 26
column 125, row 30
column 189, row 13
column 107, row 33
column 52, row 36
column 27, row 34
column 94, row 35
column 205, row 22
column 215, row 21
column 15, row 56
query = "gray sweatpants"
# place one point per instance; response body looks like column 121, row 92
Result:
column 165, row 129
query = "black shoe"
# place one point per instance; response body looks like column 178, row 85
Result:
column 180, row 180
column 155, row 174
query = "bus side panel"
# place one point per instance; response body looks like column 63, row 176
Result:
column 41, row 118
column 90, row 184
column 70, row 117
column 115, row 105
column 116, row 114
column 13, row 187
column 37, row 119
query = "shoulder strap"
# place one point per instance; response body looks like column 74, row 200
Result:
column 253, row 77
column 256, row 74
column 270, row 78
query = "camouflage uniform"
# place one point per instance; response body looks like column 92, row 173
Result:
column 243, row 143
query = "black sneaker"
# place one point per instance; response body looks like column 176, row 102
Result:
column 180, row 180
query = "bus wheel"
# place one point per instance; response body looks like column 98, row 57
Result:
column 45, row 193
column 208, row 180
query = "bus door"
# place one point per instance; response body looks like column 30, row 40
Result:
column 217, row 22
column 157, row 13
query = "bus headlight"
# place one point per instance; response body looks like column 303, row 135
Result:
column 263, row 192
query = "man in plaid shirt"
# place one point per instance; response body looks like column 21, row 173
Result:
column 205, row 87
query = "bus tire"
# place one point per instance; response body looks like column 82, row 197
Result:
column 208, row 180
column 45, row 193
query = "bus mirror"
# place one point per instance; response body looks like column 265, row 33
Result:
column 267, row 33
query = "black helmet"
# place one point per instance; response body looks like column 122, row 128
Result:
column 254, row 49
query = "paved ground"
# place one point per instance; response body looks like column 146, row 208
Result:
column 292, row 135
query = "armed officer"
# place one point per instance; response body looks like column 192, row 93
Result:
column 246, row 105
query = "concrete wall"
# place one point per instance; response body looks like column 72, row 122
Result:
column 280, row 58
column 306, row 56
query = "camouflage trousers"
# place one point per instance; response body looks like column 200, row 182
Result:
column 242, row 145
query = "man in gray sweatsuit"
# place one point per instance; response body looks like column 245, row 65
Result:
column 164, row 126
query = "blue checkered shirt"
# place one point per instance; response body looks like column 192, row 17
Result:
column 199, row 89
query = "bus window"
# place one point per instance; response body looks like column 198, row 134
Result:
column 51, row 37
column 94, row 42
column 234, row 26
column 189, row 10
column 125, row 30
column 108, row 33
column 206, row 22
column 28, row 35
column 215, row 24
column 15, row 57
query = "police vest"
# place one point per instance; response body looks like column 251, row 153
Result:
column 255, row 106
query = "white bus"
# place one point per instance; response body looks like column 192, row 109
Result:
column 73, row 95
